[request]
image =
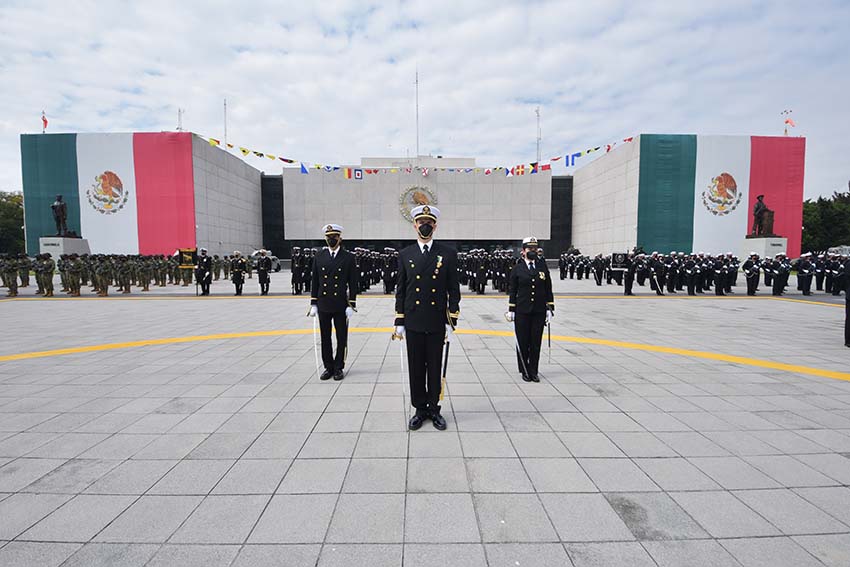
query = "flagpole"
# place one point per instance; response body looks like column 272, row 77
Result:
column 539, row 135
column 225, row 123
column 417, row 115
column 43, row 128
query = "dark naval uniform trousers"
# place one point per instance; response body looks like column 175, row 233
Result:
column 530, row 296
column 427, row 299
column 334, row 287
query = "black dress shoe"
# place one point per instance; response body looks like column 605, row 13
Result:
column 439, row 421
column 416, row 421
column 525, row 377
column 326, row 375
column 535, row 378
column 339, row 375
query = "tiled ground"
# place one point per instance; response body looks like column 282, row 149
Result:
column 231, row 452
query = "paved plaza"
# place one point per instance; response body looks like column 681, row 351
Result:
column 164, row 429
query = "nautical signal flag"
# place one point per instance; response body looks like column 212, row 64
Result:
column 533, row 167
column 214, row 142
column 488, row 171
column 358, row 174
column 304, row 169
column 245, row 151
column 351, row 173
column 546, row 167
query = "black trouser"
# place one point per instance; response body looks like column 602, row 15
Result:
column 671, row 283
column 205, row 286
column 629, row 281
column 847, row 319
column 331, row 362
column 805, row 282
column 529, row 334
column 691, row 280
column 838, row 285
column 597, row 275
column 424, row 359
column 752, row 284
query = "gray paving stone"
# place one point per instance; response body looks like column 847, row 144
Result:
column 733, row 473
column 538, row 444
column 508, row 518
column 270, row 445
column 558, row 475
column 831, row 550
column 314, row 476
column 36, row 554
column 832, row 465
column 295, row 518
column 381, row 445
column 493, row 444
column 497, row 475
column 789, row 512
column 223, row 446
column 191, row 477
column 368, row 518
column 171, row 446
column 691, row 444
column 67, row 446
column 73, row 476
column 835, row 501
column 616, row 475
column 110, row 554
column 222, row 519
column 150, row 519
column 537, row 554
column 131, row 477
column 302, row 422
column 20, row 511
column 253, row 476
column 640, row 444
column 437, row 475
column 344, row 555
column 654, row 516
column 584, row 517
column 376, row 476
column 590, row 444
column 194, row 556
column 457, row 519
column 118, row 447
column 278, row 555
column 769, row 552
column 790, row 472
column 676, row 474
column 466, row 554
column 741, row 443
column 614, row 554
column 693, row 553
column 569, row 422
column 433, row 445
column 19, row 473
column 723, row 515
column 325, row 445
column 79, row 519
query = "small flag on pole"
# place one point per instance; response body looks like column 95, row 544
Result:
column 43, row 122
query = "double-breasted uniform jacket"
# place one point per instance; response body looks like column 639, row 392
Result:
column 530, row 289
column 428, row 294
column 334, row 281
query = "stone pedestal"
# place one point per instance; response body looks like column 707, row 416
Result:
column 58, row 245
column 765, row 247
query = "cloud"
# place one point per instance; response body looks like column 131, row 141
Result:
column 333, row 82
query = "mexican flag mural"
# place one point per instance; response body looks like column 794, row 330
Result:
column 130, row 193
column 696, row 193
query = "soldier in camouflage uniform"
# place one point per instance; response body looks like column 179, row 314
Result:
column 225, row 265
column 24, row 266
column 216, row 267
column 104, row 271
column 9, row 268
column 47, row 269
column 62, row 266
column 75, row 270
column 145, row 267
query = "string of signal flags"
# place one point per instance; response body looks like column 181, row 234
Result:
column 569, row 160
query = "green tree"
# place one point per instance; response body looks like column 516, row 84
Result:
column 826, row 222
column 11, row 222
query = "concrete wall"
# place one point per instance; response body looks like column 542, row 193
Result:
column 605, row 201
column 228, row 208
column 474, row 206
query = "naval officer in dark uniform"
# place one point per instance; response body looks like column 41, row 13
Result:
column 530, row 306
column 333, row 298
column 427, row 307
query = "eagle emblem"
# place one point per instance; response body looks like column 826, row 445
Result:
column 107, row 194
column 722, row 196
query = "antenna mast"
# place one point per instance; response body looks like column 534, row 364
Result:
column 539, row 133
column 225, row 123
column 180, row 119
column 417, row 114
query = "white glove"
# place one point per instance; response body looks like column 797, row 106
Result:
column 349, row 312
column 399, row 330
column 313, row 311
column 510, row 316
column 449, row 333
column 549, row 316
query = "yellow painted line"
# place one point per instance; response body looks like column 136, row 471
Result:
column 806, row 301
column 719, row 357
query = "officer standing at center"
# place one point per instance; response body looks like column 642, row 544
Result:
column 530, row 306
column 427, row 307
column 264, row 268
column 333, row 298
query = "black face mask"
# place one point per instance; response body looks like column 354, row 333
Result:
column 531, row 255
column 425, row 230
column 333, row 241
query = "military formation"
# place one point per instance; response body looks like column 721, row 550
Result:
column 701, row 273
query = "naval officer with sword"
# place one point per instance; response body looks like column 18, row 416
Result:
column 427, row 307
column 531, row 306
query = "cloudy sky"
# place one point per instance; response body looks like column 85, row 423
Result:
column 332, row 81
